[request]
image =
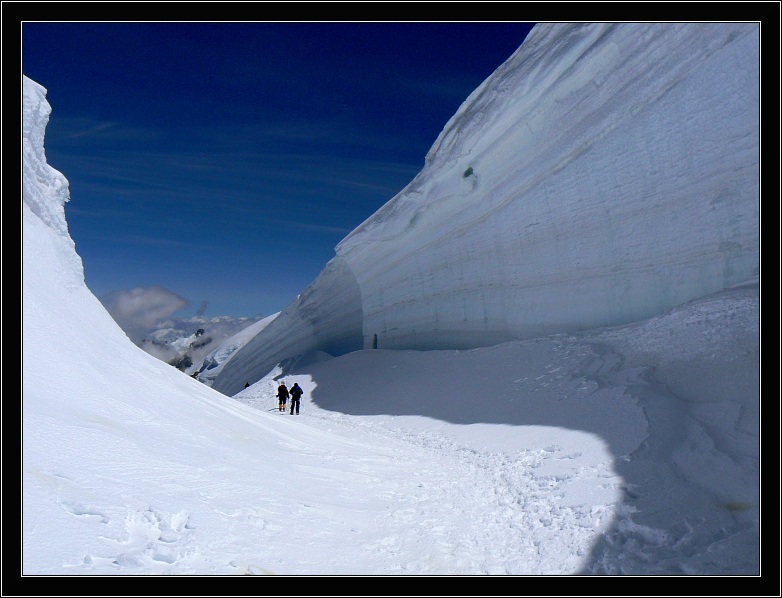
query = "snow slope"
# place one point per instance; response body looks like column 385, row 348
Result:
column 215, row 361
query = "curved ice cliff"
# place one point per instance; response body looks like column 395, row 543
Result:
column 603, row 174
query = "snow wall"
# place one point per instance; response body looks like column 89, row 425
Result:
column 603, row 174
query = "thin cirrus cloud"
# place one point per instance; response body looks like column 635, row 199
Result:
column 103, row 152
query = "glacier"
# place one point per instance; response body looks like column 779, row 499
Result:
column 603, row 174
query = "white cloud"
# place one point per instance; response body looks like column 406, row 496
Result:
column 143, row 309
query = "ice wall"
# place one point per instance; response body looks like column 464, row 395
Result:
column 603, row 174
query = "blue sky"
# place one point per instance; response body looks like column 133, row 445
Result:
column 225, row 161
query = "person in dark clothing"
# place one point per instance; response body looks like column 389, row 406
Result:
column 282, row 395
column 247, row 385
column 296, row 393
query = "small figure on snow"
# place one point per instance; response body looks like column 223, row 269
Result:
column 296, row 393
column 282, row 395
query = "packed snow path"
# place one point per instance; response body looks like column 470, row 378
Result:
column 509, row 515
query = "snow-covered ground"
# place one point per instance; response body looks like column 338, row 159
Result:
column 564, row 455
